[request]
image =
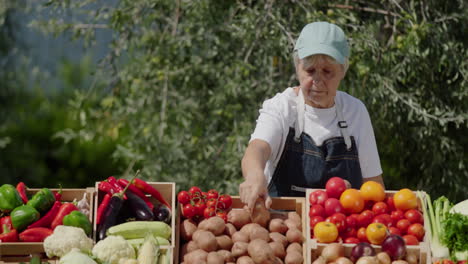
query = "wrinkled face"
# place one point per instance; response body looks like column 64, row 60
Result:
column 319, row 80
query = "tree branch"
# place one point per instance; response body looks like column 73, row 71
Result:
column 365, row 9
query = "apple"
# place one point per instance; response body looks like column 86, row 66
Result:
column 334, row 187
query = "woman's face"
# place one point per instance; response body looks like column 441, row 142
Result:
column 319, row 81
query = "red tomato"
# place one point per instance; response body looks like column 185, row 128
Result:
column 189, row 211
column 333, row 205
column 403, row 225
column 349, row 232
column 361, row 234
column 394, row 231
column 318, row 197
column 224, row 201
column 223, row 215
column 212, row 194
column 410, row 240
column 209, row 212
column 352, row 240
column 396, row 216
column 368, row 204
column 334, row 187
column 380, row 208
column 317, row 210
column 365, row 218
column 339, row 220
column 195, row 193
column 414, row 216
column 211, row 203
column 352, row 221
column 315, row 219
column 200, row 207
column 416, row 230
column 183, row 197
column 383, row 219
column 390, row 203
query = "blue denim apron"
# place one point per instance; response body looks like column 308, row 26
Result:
column 303, row 164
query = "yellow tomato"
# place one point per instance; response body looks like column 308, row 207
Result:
column 325, row 232
column 376, row 233
column 352, row 201
column 405, row 199
column 372, row 191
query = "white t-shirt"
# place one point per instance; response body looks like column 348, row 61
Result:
column 279, row 113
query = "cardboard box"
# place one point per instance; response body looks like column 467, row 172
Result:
column 280, row 205
column 167, row 190
column 314, row 248
column 19, row 251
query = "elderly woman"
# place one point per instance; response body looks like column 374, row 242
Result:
column 310, row 133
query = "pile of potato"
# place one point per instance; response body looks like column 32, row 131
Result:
column 247, row 238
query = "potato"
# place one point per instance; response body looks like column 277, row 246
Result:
column 277, row 237
column 230, row 229
column 196, row 257
column 215, row 225
column 187, row 228
column 260, row 214
column 293, row 257
column 205, row 240
column 240, row 237
column 295, row 217
column 227, row 255
column 224, row 242
column 260, row 252
column 294, row 247
column 214, row 258
column 277, row 225
column 246, row 229
column 239, row 217
column 278, row 249
column 259, row 232
column 294, row 235
column 239, row 249
column 245, row 260
column 292, row 224
column 278, row 215
column 192, row 246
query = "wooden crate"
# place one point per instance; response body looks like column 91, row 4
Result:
column 314, row 248
column 279, row 205
column 22, row 250
column 167, row 190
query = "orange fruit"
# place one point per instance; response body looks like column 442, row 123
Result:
column 325, row 232
column 372, row 191
column 352, row 201
column 405, row 199
column 376, row 233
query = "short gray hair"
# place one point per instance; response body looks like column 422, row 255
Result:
column 310, row 60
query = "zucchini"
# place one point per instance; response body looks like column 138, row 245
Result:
column 140, row 229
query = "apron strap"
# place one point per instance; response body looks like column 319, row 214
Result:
column 342, row 125
column 299, row 124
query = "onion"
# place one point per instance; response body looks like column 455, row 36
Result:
column 384, row 258
column 361, row 250
column 411, row 258
column 332, row 251
column 343, row 260
column 367, row 260
column 395, row 247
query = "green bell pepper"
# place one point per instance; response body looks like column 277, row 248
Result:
column 9, row 198
column 78, row 219
column 42, row 200
column 22, row 216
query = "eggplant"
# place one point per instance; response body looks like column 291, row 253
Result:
column 138, row 207
column 109, row 216
column 162, row 213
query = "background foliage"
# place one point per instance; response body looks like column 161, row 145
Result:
column 180, row 88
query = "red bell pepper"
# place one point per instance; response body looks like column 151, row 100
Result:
column 138, row 192
column 6, row 220
column 47, row 219
column 102, row 207
column 8, row 235
column 36, row 234
column 21, row 188
column 146, row 188
column 113, row 182
column 64, row 210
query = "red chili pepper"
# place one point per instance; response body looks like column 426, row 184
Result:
column 145, row 187
column 138, row 192
column 6, row 220
column 106, row 187
column 102, row 207
column 36, row 234
column 64, row 210
column 58, row 194
column 113, row 182
column 8, row 234
column 21, row 188
column 47, row 219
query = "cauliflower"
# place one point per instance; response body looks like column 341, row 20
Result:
column 75, row 256
column 112, row 249
column 64, row 239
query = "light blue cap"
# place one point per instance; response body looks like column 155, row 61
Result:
column 322, row 38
